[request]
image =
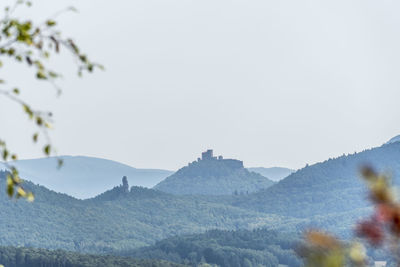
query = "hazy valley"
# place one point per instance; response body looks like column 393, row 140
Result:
column 203, row 213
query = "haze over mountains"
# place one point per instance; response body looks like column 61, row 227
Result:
column 274, row 173
column 85, row 177
column 328, row 195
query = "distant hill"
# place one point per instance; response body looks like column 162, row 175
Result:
column 275, row 173
column 213, row 176
column 117, row 219
column 332, row 186
column 85, row 177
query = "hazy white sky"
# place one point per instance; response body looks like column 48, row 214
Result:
column 274, row 83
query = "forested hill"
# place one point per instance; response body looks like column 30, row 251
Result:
column 118, row 219
column 226, row 248
column 329, row 194
column 214, row 176
column 31, row 257
column 328, row 187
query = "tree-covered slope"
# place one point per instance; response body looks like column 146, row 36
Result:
column 84, row 177
column 329, row 187
column 31, row 257
column 214, row 177
column 259, row 247
column 327, row 194
column 116, row 219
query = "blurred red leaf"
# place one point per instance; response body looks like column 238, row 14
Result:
column 371, row 230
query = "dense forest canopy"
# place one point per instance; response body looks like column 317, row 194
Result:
column 240, row 248
column 117, row 219
column 31, row 257
column 123, row 219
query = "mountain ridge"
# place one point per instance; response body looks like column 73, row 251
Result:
column 326, row 187
column 84, row 177
column 393, row 140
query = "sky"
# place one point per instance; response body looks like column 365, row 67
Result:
column 273, row 83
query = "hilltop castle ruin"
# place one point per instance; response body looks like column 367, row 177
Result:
column 209, row 156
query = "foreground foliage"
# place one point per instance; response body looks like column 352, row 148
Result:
column 32, row 43
column 382, row 229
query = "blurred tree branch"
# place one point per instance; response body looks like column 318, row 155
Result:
column 382, row 230
column 32, row 44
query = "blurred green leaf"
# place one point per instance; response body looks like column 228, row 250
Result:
column 47, row 149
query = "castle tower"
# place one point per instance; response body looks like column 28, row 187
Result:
column 208, row 155
column 125, row 185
